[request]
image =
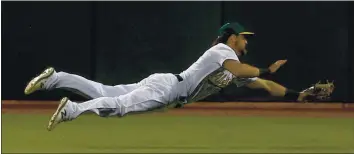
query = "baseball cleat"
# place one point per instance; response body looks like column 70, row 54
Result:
column 38, row 82
column 60, row 115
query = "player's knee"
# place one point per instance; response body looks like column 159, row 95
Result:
column 110, row 106
column 121, row 109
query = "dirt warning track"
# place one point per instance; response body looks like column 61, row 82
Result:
column 212, row 108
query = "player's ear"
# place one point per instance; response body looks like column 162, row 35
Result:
column 233, row 37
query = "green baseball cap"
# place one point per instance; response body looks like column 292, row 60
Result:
column 236, row 27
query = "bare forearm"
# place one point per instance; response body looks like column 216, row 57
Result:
column 279, row 90
column 247, row 71
column 241, row 70
column 275, row 89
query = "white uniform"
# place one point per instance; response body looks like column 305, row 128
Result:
column 205, row 77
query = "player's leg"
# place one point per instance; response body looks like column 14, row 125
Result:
column 50, row 79
column 140, row 100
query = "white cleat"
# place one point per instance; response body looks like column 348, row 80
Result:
column 38, row 82
column 60, row 115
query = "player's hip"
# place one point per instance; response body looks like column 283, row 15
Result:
column 158, row 79
column 170, row 86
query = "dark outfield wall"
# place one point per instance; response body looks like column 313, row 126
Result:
column 40, row 34
column 313, row 36
column 104, row 40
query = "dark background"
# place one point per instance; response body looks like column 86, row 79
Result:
column 123, row 42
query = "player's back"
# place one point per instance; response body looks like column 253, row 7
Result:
column 209, row 65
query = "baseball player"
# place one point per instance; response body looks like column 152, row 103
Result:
column 217, row 68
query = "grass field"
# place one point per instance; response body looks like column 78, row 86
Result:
column 178, row 134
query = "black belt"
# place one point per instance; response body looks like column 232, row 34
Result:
column 179, row 77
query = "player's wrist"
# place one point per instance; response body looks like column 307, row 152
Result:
column 292, row 95
column 264, row 72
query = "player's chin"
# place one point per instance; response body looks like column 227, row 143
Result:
column 244, row 52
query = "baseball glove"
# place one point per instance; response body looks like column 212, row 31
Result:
column 319, row 91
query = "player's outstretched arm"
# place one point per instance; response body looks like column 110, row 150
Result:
column 318, row 92
column 247, row 71
column 277, row 90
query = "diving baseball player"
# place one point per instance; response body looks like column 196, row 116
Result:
column 217, row 68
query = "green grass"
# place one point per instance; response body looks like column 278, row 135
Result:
column 163, row 134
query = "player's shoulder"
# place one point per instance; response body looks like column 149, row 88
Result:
column 220, row 47
column 222, row 50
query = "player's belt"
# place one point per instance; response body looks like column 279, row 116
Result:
column 179, row 77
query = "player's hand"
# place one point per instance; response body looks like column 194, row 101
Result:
column 317, row 92
column 274, row 67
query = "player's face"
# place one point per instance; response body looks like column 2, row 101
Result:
column 240, row 43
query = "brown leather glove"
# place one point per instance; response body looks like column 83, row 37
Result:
column 319, row 92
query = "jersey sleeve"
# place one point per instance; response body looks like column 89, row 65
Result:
column 222, row 53
column 243, row 81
